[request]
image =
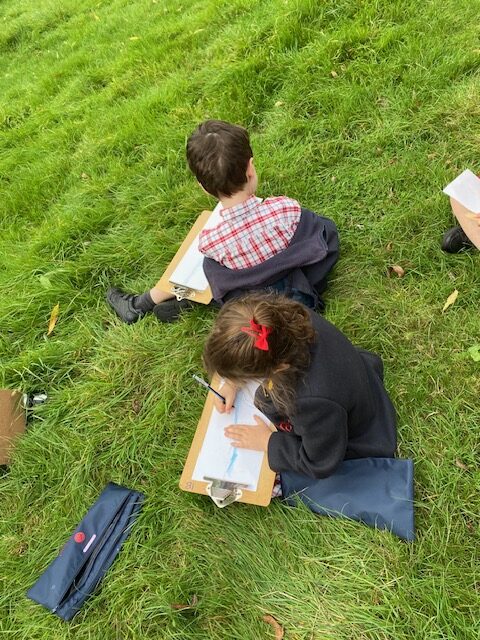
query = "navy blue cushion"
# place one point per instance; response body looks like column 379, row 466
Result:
column 88, row 553
column 375, row 491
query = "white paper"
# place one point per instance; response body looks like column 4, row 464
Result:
column 189, row 271
column 217, row 458
column 466, row 190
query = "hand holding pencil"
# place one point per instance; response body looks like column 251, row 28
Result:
column 223, row 401
column 229, row 392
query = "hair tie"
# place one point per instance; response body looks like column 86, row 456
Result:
column 259, row 331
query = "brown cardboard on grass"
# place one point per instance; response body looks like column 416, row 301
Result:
column 12, row 422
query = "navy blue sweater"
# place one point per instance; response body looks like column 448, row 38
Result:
column 306, row 263
column 342, row 410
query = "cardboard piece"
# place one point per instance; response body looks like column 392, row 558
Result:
column 12, row 422
column 261, row 496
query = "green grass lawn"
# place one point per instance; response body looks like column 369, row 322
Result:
column 362, row 111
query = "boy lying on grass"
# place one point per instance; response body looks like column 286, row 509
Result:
column 271, row 244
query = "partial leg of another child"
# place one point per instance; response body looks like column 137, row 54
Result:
column 130, row 307
column 466, row 235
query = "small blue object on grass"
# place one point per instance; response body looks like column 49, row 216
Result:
column 87, row 555
column 375, row 491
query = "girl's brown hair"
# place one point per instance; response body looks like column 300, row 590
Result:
column 231, row 352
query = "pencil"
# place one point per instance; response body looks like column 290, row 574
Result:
column 205, row 384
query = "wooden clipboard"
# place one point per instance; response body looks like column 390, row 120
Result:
column 12, row 422
column 260, row 497
column 203, row 297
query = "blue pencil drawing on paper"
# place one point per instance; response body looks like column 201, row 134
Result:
column 218, row 458
column 234, row 456
column 231, row 464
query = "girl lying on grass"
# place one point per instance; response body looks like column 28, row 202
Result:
column 325, row 397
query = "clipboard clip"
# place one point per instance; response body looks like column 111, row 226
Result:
column 182, row 292
column 223, row 492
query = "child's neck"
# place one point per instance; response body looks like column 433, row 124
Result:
column 237, row 198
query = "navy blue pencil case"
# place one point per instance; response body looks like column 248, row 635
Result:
column 89, row 552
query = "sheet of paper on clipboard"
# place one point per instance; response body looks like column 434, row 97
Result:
column 189, row 271
column 465, row 189
column 217, row 457
column 215, row 468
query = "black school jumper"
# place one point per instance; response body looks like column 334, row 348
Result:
column 342, row 409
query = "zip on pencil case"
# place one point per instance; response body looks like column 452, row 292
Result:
column 89, row 552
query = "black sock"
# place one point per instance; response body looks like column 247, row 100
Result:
column 143, row 302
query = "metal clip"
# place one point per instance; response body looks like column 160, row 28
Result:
column 224, row 493
column 182, row 292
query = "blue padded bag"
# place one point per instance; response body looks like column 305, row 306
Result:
column 375, row 491
column 87, row 555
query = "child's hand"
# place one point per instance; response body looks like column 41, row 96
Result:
column 250, row 437
column 229, row 392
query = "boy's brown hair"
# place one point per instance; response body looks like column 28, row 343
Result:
column 218, row 154
column 231, row 352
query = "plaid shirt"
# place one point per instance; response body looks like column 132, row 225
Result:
column 251, row 232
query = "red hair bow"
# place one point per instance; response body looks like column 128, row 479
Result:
column 259, row 331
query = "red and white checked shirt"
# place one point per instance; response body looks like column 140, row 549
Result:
column 251, row 232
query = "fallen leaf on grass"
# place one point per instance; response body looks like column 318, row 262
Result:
column 45, row 282
column 19, row 549
column 389, row 246
column 397, row 270
column 53, row 318
column 474, row 352
column 191, row 605
column 450, row 300
column 279, row 103
column 136, row 406
column 277, row 627
column 461, row 465
column 334, row 74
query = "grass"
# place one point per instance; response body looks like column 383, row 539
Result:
column 97, row 99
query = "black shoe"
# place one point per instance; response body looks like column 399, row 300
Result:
column 170, row 310
column 122, row 304
column 454, row 240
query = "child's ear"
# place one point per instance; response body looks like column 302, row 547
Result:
column 250, row 169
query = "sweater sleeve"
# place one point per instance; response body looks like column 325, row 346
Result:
column 319, row 443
